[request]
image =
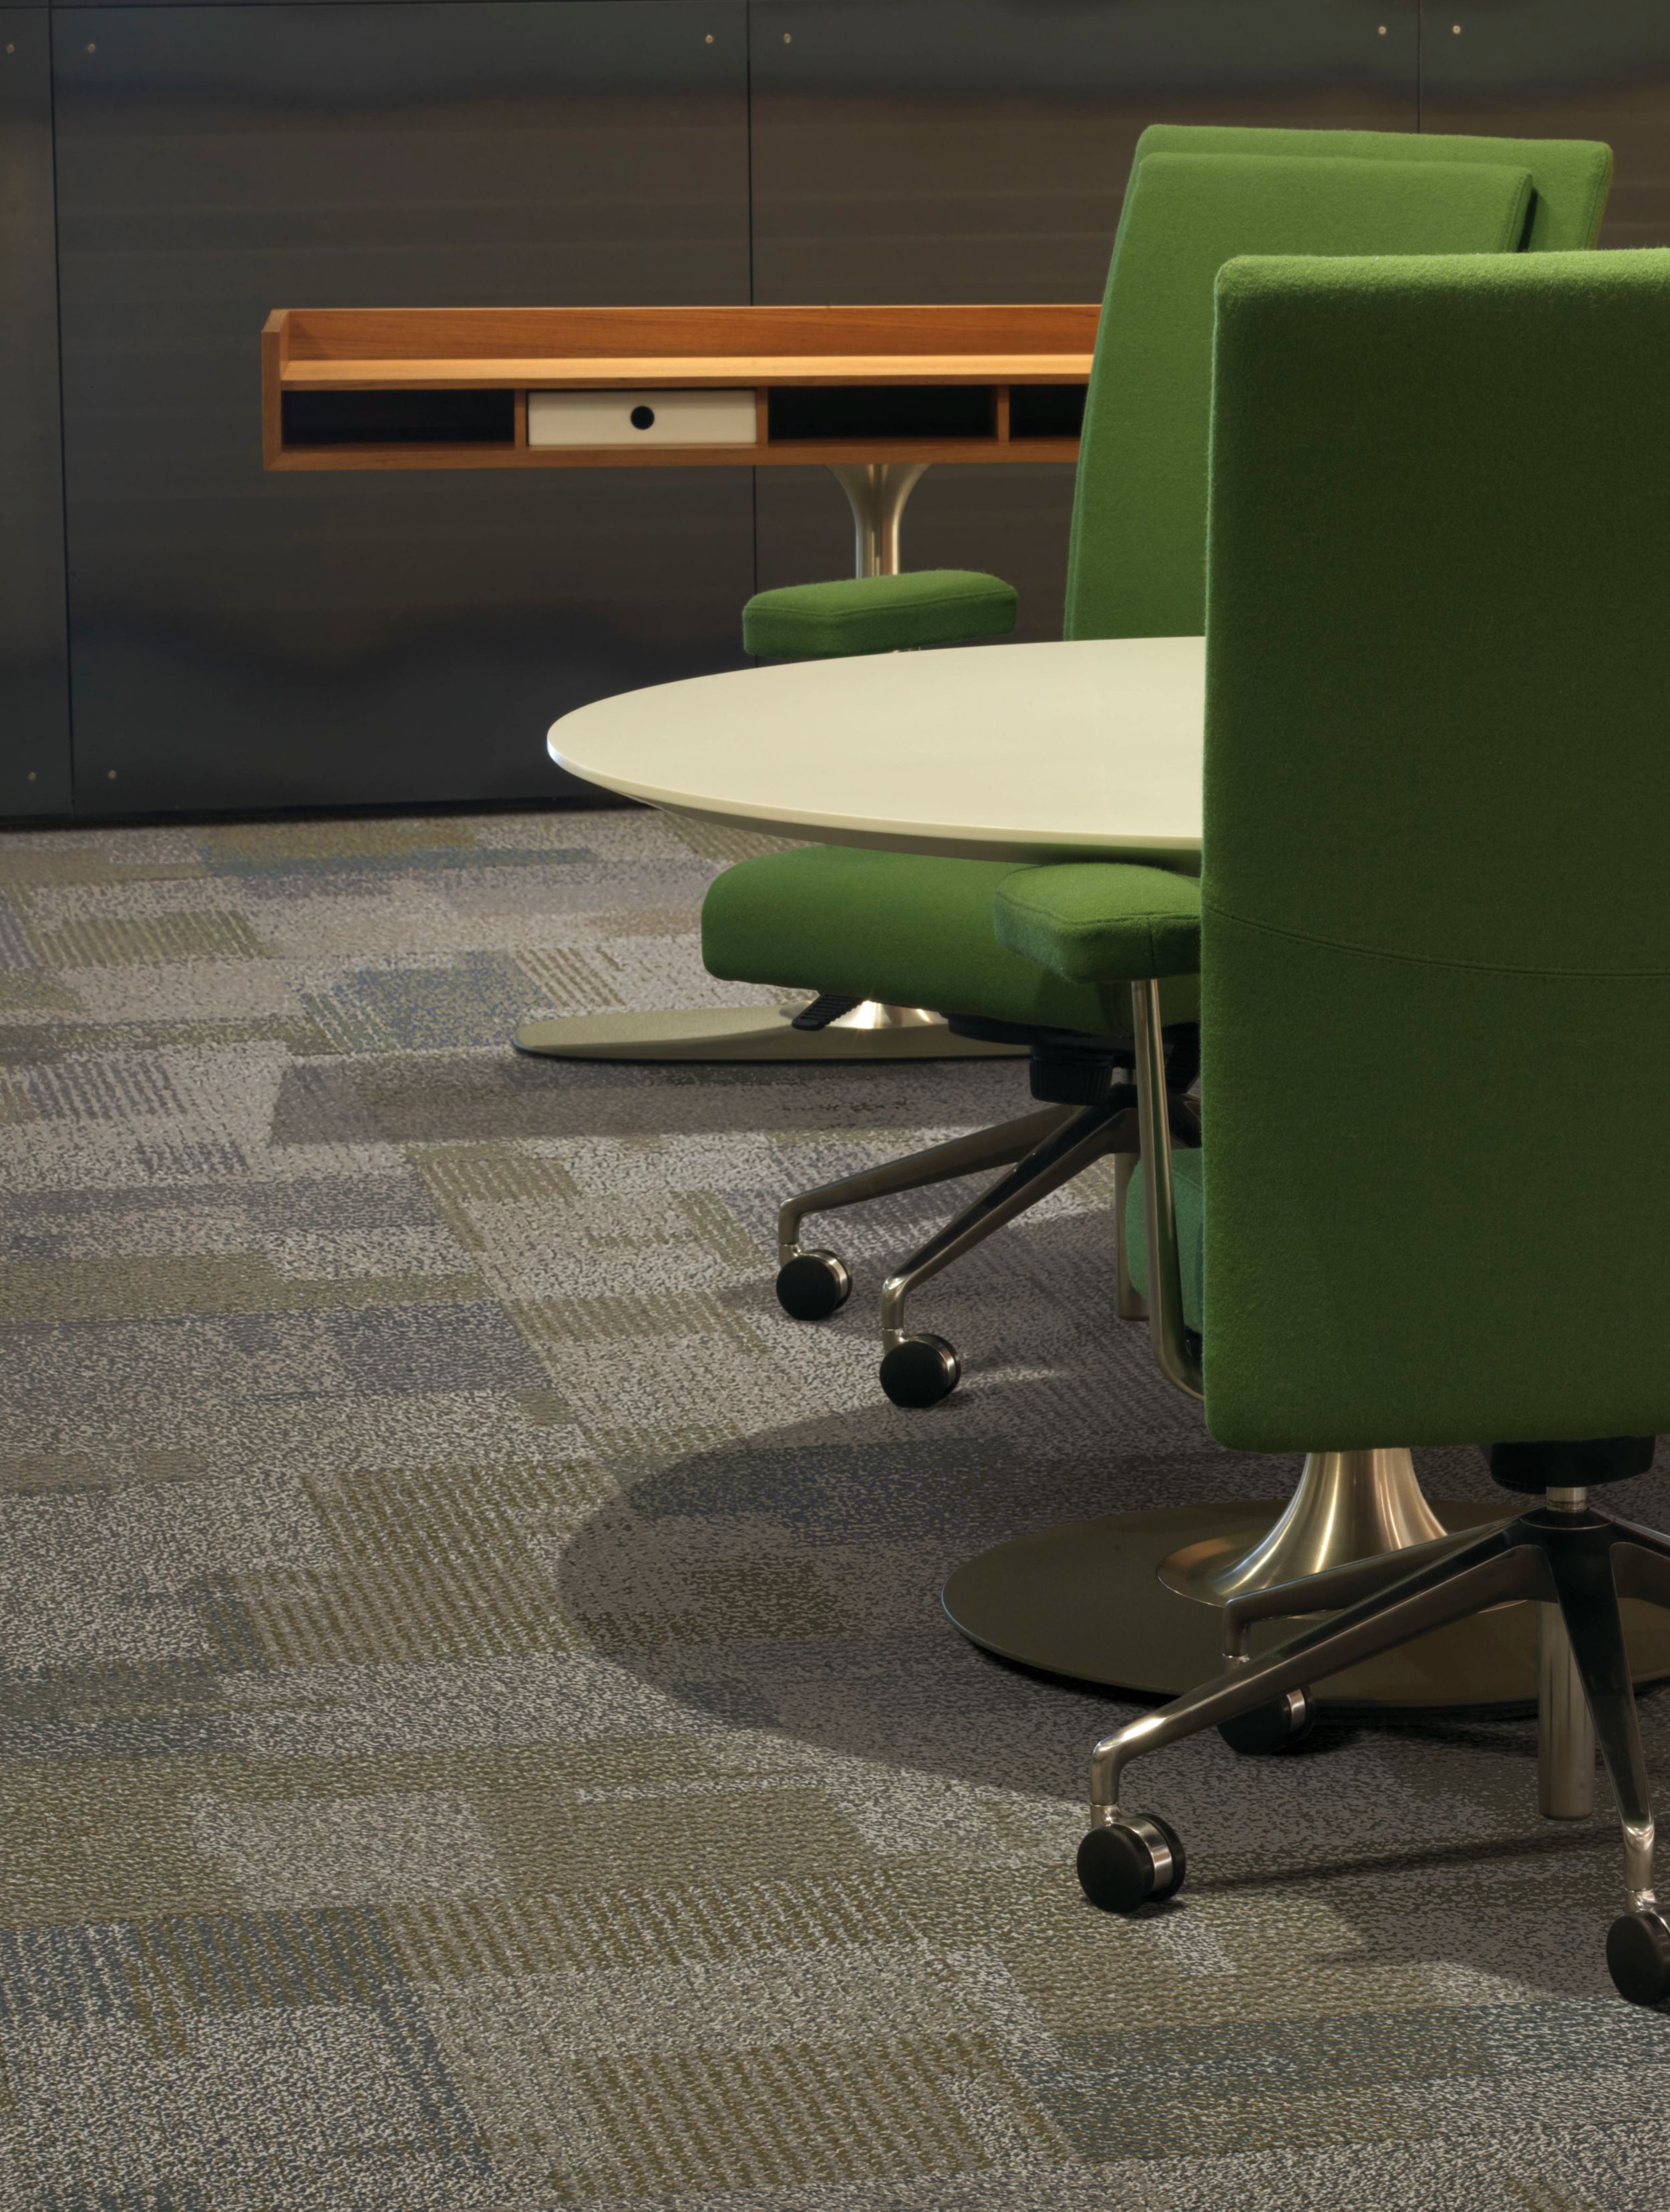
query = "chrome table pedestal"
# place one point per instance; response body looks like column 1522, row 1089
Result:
column 876, row 492
column 1132, row 1600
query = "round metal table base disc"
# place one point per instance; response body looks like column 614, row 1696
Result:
column 719, row 1034
column 1086, row 1600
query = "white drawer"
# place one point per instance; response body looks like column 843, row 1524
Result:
column 640, row 419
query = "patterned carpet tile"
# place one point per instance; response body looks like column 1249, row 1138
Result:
column 478, row 1733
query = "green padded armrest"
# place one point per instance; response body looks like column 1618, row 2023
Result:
column 1087, row 920
column 878, row 614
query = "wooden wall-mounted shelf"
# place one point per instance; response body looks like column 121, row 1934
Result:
column 447, row 387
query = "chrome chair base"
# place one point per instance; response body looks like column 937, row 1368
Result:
column 1043, row 1151
column 1563, row 1553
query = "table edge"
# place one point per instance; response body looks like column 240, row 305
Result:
column 971, row 843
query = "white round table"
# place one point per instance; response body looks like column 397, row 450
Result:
column 1021, row 751
column 1024, row 752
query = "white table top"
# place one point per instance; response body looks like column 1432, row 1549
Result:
column 989, row 752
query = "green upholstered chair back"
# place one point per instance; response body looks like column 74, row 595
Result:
column 1435, row 953
column 1570, row 177
column 1198, row 196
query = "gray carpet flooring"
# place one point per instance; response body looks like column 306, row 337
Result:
column 479, row 1731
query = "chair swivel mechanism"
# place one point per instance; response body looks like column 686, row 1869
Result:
column 918, row 931
column 1435, row 783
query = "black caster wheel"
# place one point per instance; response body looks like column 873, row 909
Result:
column 813, row 1286
column 1273, row 1727
column 1133, row 1863
column 920, row 1371
column 1638, row 1958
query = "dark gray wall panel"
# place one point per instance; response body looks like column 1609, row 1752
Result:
column 977, row 149
column 34, row 712
column 1546, row 69
column 241, row 639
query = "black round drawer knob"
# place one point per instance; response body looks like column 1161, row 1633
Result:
column 643, row 418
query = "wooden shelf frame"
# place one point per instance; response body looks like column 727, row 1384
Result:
column 519, row 349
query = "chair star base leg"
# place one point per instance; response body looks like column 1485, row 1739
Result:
column 1562, row 1558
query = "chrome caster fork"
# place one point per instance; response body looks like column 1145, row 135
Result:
column 919, row 1370
column 811, row 1285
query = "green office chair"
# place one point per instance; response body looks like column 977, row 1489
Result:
column 1435, row 967
column 852, row 924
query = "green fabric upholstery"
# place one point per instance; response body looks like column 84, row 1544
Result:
column 1137, row 564
column 1087, row 920
column 1436, row 946
column 914, row 931
column 878, row 614
column 1187, row 1188
column 769, row 924
column 1570, row 177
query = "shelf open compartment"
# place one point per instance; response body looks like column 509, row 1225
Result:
column 398, row 417
column 1046, row 410
column 804, row 413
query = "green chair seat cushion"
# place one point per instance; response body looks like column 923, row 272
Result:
column 878, row 614
column 1190, row 1233
column 1091, row 920
column 907, row 928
